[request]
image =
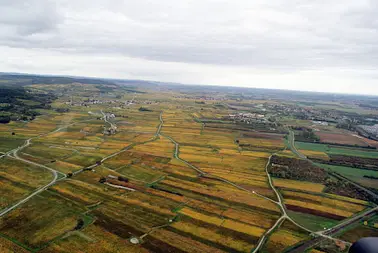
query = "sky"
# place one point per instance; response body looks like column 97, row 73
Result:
column 314, row 45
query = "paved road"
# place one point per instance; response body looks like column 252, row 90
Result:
column 292, row 145
column 327, row 234
column 160, row 125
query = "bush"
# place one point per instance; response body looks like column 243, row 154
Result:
column 79, row 225
column 4, row 119
column 123, row 179
column 144, row 109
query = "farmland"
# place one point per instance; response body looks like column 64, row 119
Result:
column 337, row 150
column 144, row 168
column 342, row 138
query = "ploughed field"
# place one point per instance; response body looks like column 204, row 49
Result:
column 175, row 176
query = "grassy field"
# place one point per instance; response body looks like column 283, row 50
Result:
column 312, row 222
column 336, row 150
column 353, row 173
column 360, row 176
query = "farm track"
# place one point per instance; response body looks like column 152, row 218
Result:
column 112, row 125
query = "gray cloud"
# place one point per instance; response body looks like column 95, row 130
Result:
column 20, row 18
column 278, row 35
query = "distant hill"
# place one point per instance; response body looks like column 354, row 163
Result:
column 28, row 79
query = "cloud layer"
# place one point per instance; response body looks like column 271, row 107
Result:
column 309, row 45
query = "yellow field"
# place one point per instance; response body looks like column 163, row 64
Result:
column 213, row 236
column 286, row 153
column 298, row 185
column 326, row 202
column 160, row 147
column 315, row 154
column 186, row 243
column 227, row 223
column 319, row 207
column 357, row 201
column 282, row 239
column 226, row 192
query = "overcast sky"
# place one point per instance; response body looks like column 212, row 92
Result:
column 320, row 45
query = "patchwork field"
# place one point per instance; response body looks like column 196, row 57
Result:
column 156, row 168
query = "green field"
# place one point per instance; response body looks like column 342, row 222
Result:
column 336, row 150
column 312, row 222
column 350, row 172
column 8, row 143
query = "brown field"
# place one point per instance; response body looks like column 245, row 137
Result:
column 9, row 247
column 358, row 232
column 341, row 138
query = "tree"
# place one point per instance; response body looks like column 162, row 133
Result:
column 144, row 109
column 123, row 179
column 4, row 119
column 79, row 225
column 102, row 180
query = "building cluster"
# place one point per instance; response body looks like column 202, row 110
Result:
column 113, row 128
column 371, row 130
column 201, row 98
column 321, row 123
column 247, row 117
column 119, row 103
